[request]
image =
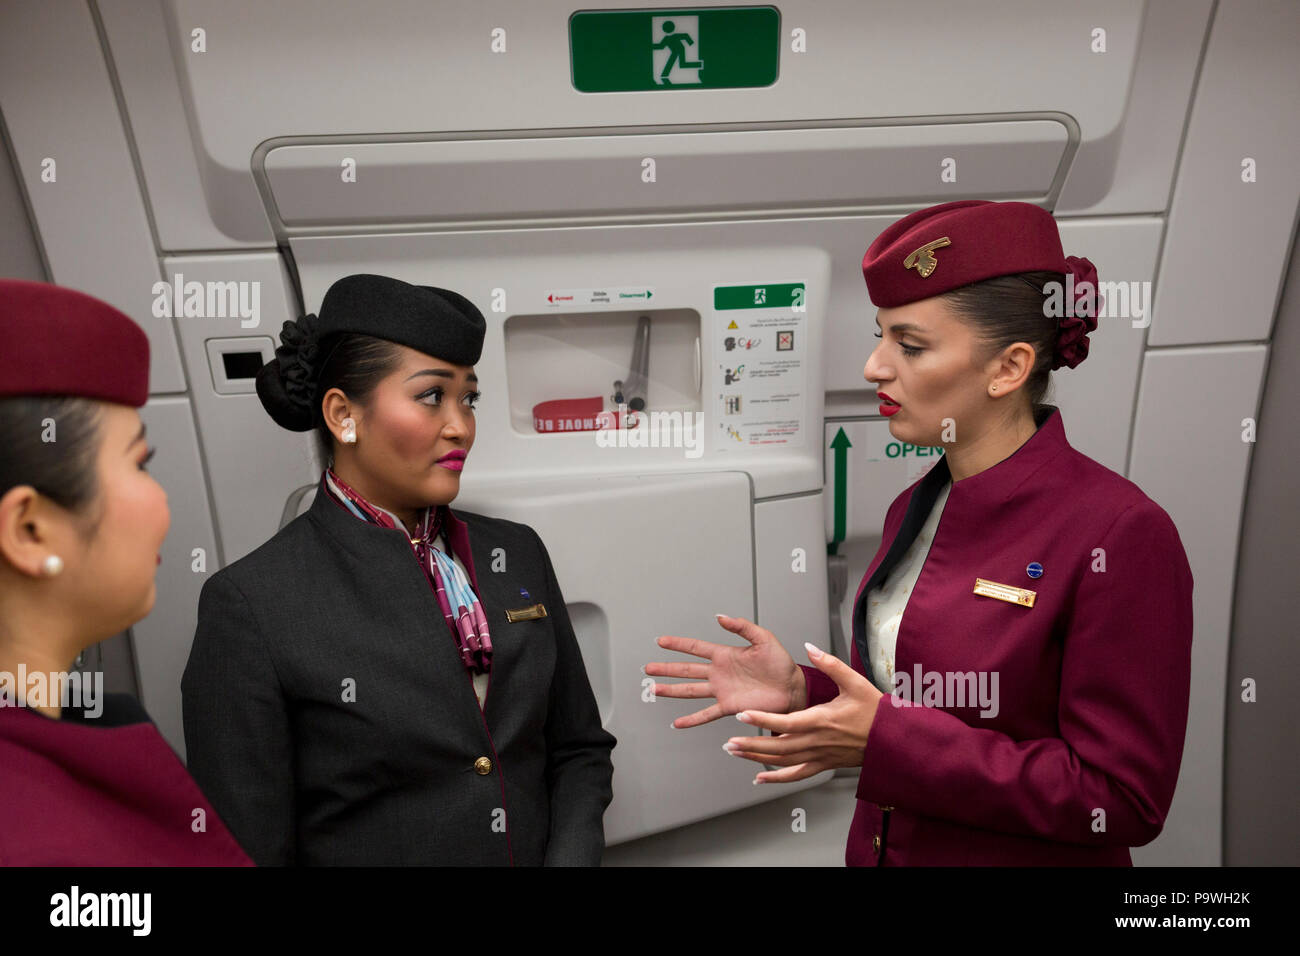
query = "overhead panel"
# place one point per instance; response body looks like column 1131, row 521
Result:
column 686, row 174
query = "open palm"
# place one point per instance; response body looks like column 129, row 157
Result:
column 758, row 676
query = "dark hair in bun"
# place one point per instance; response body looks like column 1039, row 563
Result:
column 293, row 384
column 286, row 384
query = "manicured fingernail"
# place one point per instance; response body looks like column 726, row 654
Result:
column 743, row 718
column 719, row 616
column 730, row 748
column 812, row 650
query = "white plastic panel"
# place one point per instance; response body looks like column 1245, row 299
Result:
column 1189, row 456
column 162, row 640
column 151, row 90
column 626, row 597
column 251, row 462
column 696, row 173
column 790, row 558
column 74, row 161
column 257, row 81
column 1141, row 154
column 519, row 270
column 20, row 253
column 758, row 836
column 1223, row 264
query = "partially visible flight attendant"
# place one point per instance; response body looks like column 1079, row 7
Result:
column 85, row 780
column 387, row 681
column 1021, row 658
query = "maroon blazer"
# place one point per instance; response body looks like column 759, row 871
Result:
column 1080, row 760
column 102, row 792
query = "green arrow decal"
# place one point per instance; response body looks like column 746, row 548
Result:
column 841, row 446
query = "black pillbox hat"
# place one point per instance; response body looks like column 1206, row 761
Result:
column 434, row 321
column 437, row 322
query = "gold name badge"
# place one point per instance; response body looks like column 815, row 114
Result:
column 534, row 613
column 1005, row 592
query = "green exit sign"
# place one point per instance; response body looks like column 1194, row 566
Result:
column 779, row 295
column 708, row 48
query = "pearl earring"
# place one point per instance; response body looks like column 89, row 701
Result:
column 349, row 431
column 52, row 565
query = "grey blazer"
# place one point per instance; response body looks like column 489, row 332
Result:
column 412, row 771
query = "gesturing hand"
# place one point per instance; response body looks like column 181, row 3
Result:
column 761, row 675
column 833, row 734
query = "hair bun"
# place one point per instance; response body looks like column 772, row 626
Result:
column 286, row 385
column 1073, row 329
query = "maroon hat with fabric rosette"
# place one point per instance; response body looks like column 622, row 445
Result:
column 943, row 247
column 58, row 341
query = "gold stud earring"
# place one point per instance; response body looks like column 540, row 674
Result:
column 995, row 388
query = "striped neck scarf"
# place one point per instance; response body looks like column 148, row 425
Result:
column 460, row 605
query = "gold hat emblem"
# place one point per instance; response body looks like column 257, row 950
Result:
column 923, row 260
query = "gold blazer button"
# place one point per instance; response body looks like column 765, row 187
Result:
column 875, row 843
column 482, row 766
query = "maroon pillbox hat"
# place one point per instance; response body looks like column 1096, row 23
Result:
column 57, row 341
column 935, row 250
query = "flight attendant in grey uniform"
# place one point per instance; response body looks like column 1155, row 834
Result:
column 387, row 681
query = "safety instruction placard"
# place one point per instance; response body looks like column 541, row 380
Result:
column 760, row 347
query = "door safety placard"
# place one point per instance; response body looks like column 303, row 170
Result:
column 760, row 343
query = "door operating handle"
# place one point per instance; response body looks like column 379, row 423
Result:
column 631, row 391
column 699, row 367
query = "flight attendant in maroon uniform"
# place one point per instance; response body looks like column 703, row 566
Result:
column 89, row 782
column 1022, row 638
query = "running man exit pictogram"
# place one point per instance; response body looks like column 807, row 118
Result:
column 671, row 36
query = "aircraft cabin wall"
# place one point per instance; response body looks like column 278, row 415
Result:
column 222, row 157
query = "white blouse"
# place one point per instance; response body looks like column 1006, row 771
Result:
column 887, row 600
